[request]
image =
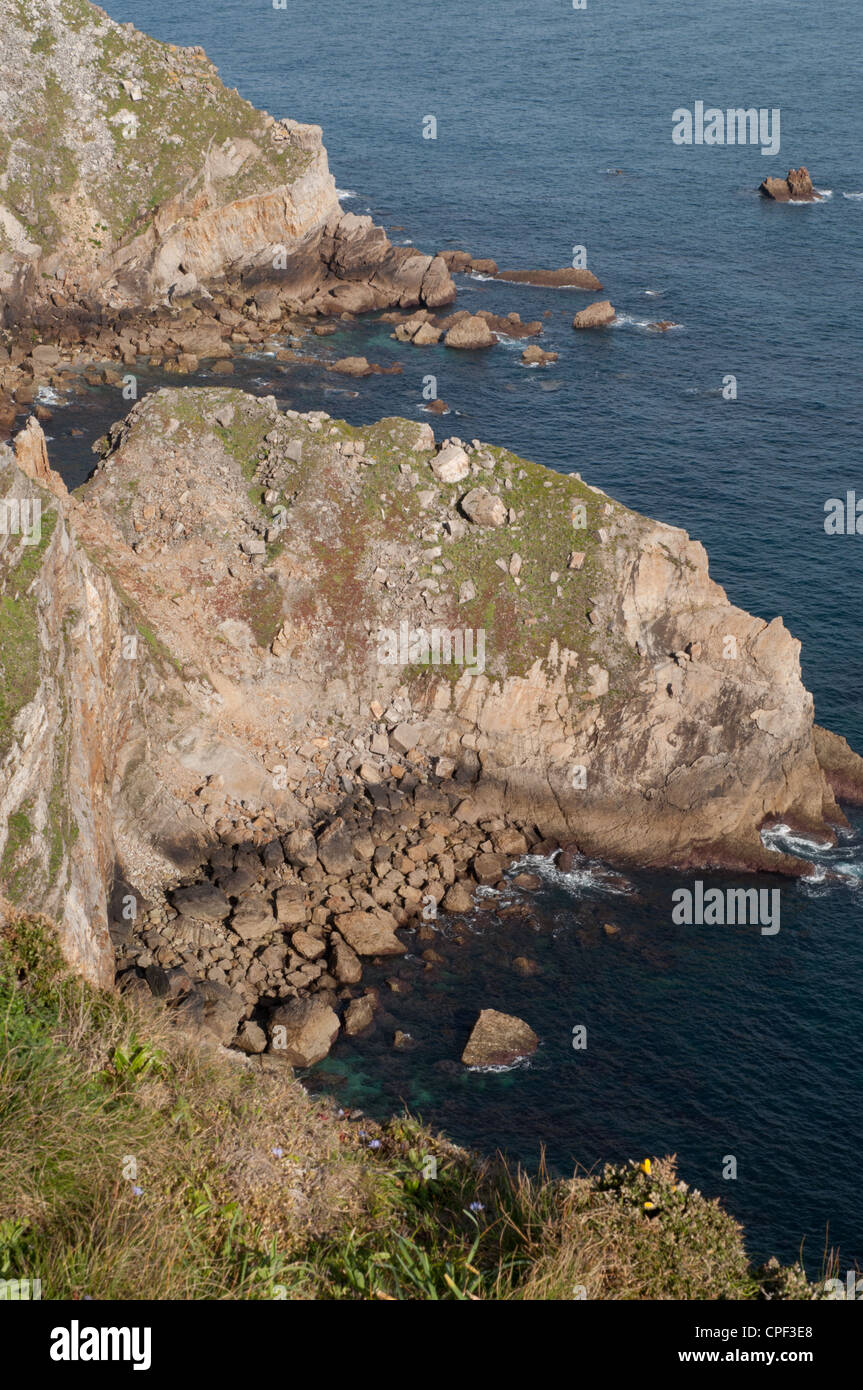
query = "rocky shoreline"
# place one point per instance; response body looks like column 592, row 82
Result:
column 291, row 686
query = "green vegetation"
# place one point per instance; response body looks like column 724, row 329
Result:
column 163, row 1171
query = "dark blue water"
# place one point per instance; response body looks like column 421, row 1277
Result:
column 704, row 1041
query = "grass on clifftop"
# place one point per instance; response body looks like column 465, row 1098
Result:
column 134, row 1165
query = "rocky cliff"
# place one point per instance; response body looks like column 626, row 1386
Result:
column 330, row 674
column 129, row 172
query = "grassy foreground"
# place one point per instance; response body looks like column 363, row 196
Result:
column 135, row 1165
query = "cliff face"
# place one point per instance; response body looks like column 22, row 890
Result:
column 128, row 171
column 68, row 705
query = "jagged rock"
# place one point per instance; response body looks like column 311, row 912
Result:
column 483, row 508
column 302, row 1032
column 31, row 456
column 498, row 1039
column 796, row 187
column 596, row 315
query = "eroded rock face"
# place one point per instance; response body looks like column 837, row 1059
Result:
column 498, row 1040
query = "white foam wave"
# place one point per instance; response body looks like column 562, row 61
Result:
column 520, row 1064
column 345, row 193
column 586, row 875
column 854, row 196
column 46, row 395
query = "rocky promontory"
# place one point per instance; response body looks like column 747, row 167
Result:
column 130, row 176
column 277, row 689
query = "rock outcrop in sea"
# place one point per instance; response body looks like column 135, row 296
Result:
column 796, row 187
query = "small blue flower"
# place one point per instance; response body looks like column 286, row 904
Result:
column 277, row 1152
column 363, row 1134
column 374, row 1143
column 137, row 1191
column 476, row 1207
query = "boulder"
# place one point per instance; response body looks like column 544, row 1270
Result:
column 472, row 331
column 497, row 1040
column 203, row 901
column 488, row 868
column 426, row 335
column 483, row 508
column 370, row 933
column 595, row 315
column 335, row 850
column 359, row 1015
column 458, row 898
column 212, row 1008
column 302, row 1031
column 451, row 465
column 345, row 964
column 300, row 849
column 253, row 919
